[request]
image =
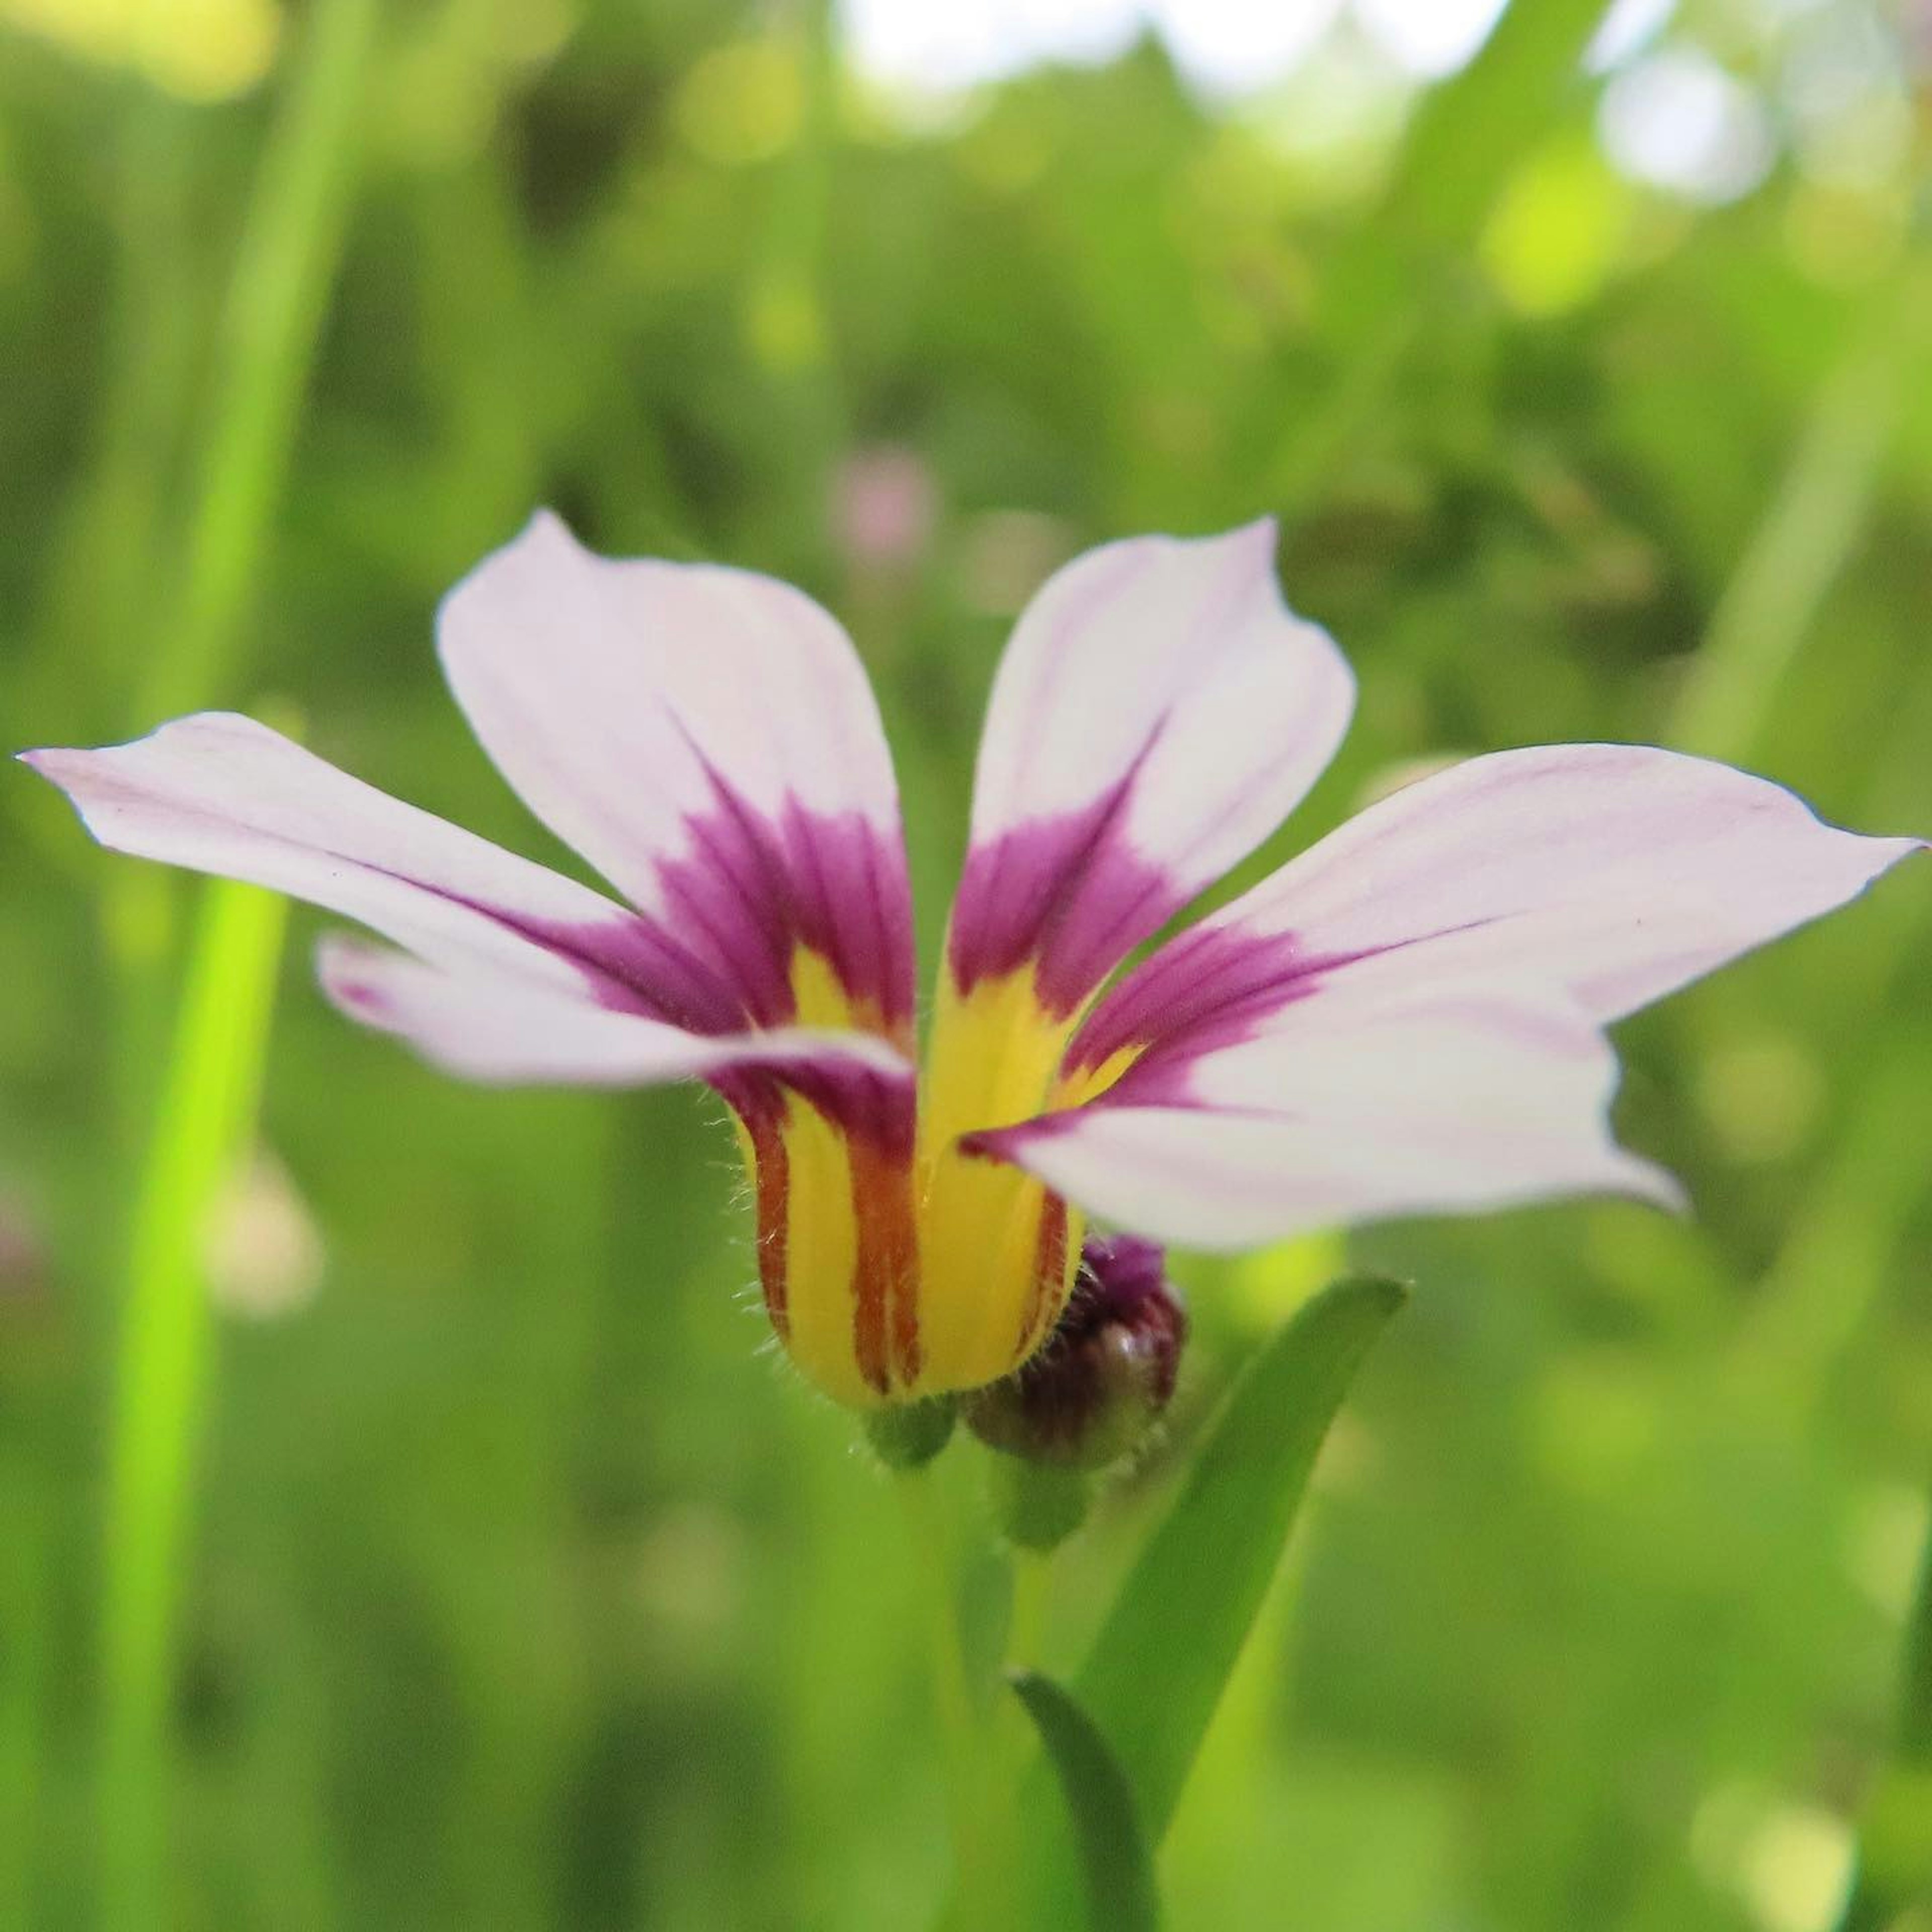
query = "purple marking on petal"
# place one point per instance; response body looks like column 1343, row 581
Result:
column 868, row 1106
column 1003, row 1143
column 1066, row 892
column 853, row 904
column 745, row 893
column 366, row 1000
column 1206, row 990
column 1203, row 989
column 633, row 965
column 754, row 888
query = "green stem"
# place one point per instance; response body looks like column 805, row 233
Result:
column 1032, row 1590
column 977, row 1797
column 203, row 1126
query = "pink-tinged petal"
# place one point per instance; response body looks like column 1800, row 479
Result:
column 1158, row 713
column 505, row 1032
column 1383, row 1100
column 706, row 738
column 1616, row 873
column 221, row 793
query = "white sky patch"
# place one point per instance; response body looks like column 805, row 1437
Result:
column 1627, row 28
column 1431, row 37
column 1225, row 46
column 943, row 45
column 1235, row 47
column 1676, row 120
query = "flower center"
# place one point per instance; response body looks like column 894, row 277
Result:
column 895, row 1266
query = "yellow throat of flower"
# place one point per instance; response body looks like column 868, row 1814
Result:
column 891, row 1275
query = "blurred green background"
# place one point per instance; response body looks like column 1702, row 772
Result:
column 511, row 1584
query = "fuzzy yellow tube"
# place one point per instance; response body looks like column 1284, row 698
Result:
column 997, row 1252
column 893, row 1273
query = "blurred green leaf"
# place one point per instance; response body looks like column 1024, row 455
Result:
column 1114, row 1852
column 1469, row 133
column 1895, row 1846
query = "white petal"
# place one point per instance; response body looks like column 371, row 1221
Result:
column 706, row 738
column 503, row 1032
column 221, row 793
column 1388, row 1102
column 1615, row 872
column 1158, row 713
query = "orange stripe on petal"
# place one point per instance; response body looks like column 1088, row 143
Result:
column 772, row 1178
column 1049, row 1276
column 885, row 1281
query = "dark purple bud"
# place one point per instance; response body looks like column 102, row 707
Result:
column 1104, row 1374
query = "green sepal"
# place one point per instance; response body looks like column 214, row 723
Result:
column 908, row 1435
column 1037, row 1505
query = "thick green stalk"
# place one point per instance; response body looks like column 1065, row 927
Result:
column 204, row 1127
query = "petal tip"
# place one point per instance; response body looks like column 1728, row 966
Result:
column 67, row 770
column 1008, row 1144
column 1643, row 1180
column 338, row 962
column 547, row 525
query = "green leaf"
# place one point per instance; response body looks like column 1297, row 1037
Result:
column 1470, row 132
column 1895, row 1838
column 1156, row 1672
column 1114, row 1853
column 204, row 1128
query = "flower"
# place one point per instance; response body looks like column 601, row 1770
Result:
column 1409, row 1017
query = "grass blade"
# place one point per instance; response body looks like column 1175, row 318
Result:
column 204, row 1126
column 1156, row 1674
column 1113, row 1851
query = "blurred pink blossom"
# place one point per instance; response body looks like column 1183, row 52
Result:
column 884, row 506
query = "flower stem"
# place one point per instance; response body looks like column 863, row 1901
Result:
column 975, row 1796
column 1032, row 1587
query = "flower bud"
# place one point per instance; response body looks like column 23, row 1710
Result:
column 1107, row 1371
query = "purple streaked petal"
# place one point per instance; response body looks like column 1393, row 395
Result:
column 1616, row 873
column 1063, row 893
column 1206, row 986
column 706, row 737
column 1158, row 713
column 1386, row 1100
column 504, row 1032
column 221, row 793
